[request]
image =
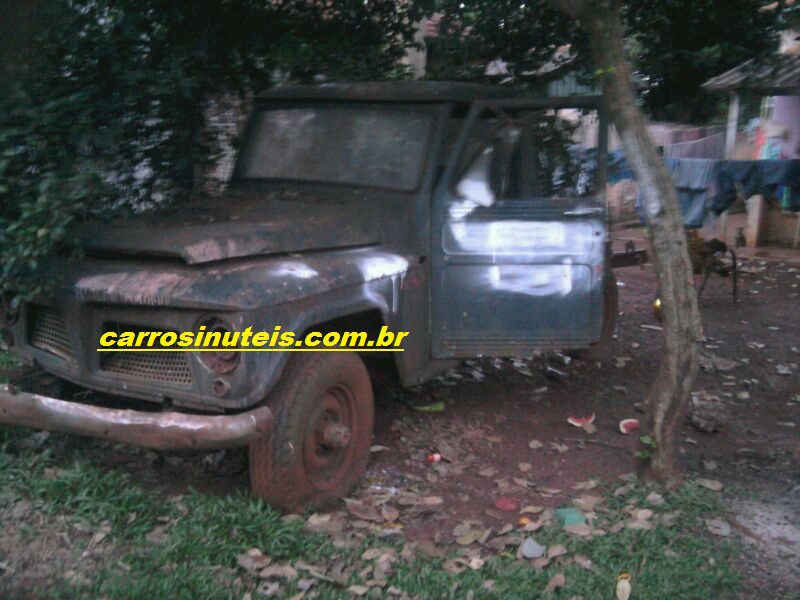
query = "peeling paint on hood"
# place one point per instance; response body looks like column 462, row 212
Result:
column 233, row 226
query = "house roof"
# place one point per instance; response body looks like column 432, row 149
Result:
column 394, row 91
column 777, row 75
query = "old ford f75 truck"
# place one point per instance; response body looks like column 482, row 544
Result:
column 460, row 213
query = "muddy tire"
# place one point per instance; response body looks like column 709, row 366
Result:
column 319, row 445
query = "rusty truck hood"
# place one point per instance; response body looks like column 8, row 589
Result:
column 234, row 226
column 242, row 284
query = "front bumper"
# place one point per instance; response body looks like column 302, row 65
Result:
column 155, row 430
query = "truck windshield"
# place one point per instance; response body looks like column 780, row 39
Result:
column 359, row 146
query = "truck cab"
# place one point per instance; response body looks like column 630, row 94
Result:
column 469, row 216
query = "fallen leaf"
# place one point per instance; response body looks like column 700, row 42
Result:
column 390, row 513
column 278, row 572
column 710, row 484
column 499, row 543
column 559, row 447
column 535, row 444
column 372, row 553
column 585, row 485
column 558, row 581
column 637, row 524
column 532, row 509
column 432, row 501
column 524, row 467
column 621, row 361
column 655, row 499
column 103, row 532
column 579, row 529
column 157, row 535
column 358, row 590
column 253, row 561
column 315, row 571
column 718, row 527
column 587, row 502
column 470, row 537
column 536, row 525
column 724, row 365
column 624, row 490
column 378, row 448
column 362, row 511
column 584, row 561
column 556, row 551
column 268, row 589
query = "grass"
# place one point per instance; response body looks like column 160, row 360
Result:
column 196, row 556
column 7, row 361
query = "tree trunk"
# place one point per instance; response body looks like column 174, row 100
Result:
column 666, row 402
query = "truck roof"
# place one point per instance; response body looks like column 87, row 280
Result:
column 394, row 91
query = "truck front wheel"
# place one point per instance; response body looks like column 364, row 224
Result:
column 319, row 446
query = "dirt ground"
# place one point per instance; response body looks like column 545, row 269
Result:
column 504, row 432
column 487, row 425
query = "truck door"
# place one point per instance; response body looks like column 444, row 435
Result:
column 518, row 233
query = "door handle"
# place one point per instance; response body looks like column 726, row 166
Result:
column 583, row 212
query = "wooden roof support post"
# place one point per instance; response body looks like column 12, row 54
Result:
column 730, row 148
column 733, row 125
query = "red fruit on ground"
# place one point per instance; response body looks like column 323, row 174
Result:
column 507, row 504
column 628, row 425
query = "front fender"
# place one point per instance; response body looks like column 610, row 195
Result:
column 382, row 295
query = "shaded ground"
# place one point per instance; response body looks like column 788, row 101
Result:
column 756, row 455
column 503, row 433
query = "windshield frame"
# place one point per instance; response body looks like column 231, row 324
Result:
column 432, row 110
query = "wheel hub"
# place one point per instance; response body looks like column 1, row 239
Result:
column 327, row 446
column 335, row 435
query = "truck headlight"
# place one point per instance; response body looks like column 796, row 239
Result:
column 219, row 334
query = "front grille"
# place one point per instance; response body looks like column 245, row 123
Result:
column 169, row 367
column 49, row 332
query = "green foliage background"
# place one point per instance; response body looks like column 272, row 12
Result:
column 679, row 44
column 110, row 115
